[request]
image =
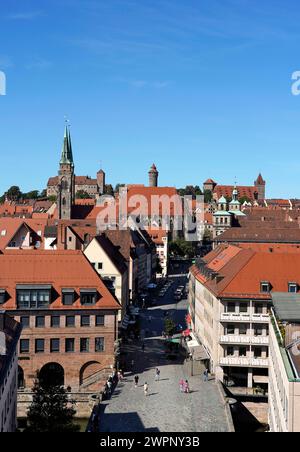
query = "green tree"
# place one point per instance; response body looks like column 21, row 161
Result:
column 244, row 199
column 51, row 410
column 118, row 186
column 109, row 190
column 182, row 248
column 81, row 194
column 169, row 327
column 34, row 194
column 208, row 196
column 14, row 193
column 52, row 198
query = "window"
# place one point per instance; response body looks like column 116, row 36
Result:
column 33, row 299
column 243, row 351
column 70, row 345
column 70, row 321
column 258, row 330
column 85, row 320
column 243, row 308
column 230, row 329
column 230, row 351
column 25, row 322
column 265, row 287
column 100, row 320
column 257, row 352
column 84, row 345
column 293, row 287
column 68, row 297
column 2, row 296
column 231, row 307
column 88, row 297
column 100, row 266
column 39, row 346
column 99, row 344
column 40, row 321
column 243, row 330
column 258, row 309
column 55, row 321
column 54, row 345
column 24, row 346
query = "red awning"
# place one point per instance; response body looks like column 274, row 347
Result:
column 188, row 318
column 186, row 333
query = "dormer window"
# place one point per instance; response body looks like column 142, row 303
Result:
column 265, row 287
column 2, row 296
column 293, row 287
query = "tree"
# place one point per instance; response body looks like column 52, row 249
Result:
column 81, row 194
column 190, row 190
column 52, row 198
column 14, row 193
column 118, row 186
column 51, row 410
column 109, row 190
column 169, row 327
column 208, row 196
column 244, row 199
column 34, row 194
column 182, row 248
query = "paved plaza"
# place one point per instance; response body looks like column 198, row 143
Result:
column 165, row 409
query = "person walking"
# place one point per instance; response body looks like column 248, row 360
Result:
column 109, row 385
column 181, row 385
column 146, row 389
column 136, row 381
column 186, row 387
column 157, row 374
column 205, row 375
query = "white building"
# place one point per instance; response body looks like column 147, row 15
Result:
column 284, row 370
column 10, row 331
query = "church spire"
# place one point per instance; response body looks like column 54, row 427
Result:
column 67, row 153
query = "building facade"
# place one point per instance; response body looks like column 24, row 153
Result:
column 10, row 331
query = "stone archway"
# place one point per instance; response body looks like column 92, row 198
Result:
column 91, row 373
column 52, row 374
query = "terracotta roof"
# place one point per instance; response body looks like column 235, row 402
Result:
column 262, row 235
column 243, row 191
column 60, row 269
column 210, row 181
column 243, row 271
column 9, row 227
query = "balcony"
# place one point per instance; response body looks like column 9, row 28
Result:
column 244, row 317
column 238, row 361
column 244, row 340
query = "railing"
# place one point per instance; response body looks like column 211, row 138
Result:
column 241, row 339
column 244, row 317
column 244, row 361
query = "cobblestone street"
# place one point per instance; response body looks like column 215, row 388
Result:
column 165, row 409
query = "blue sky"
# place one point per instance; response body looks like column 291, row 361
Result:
column 200, row 87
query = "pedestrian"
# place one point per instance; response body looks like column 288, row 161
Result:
column 157, row 374
column 186, row 387
column 109, row 386
column 205, row 375
column 146, row 389
column 143, row 346
column 119, row 376
column 136, row 381
column 181, row 385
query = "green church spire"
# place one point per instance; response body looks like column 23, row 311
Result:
column 67, row 154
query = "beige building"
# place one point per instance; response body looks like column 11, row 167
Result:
column 284, row 370
column 10, row 331
column 112, row 267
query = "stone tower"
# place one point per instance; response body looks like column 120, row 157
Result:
column 66, row 185
column 101, row 181
column 260, row 185
column 153, row 176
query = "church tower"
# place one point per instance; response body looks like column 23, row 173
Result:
column 153, row 176
column 260, row 185
column 66, row 185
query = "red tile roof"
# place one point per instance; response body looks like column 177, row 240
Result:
column 61, row 269
column 243, row 191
